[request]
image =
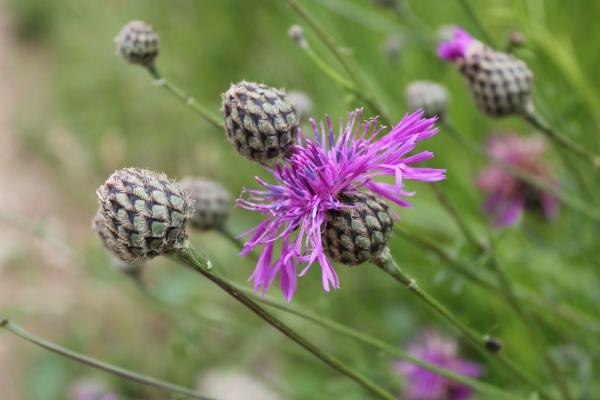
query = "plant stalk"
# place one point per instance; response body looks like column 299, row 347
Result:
column 186, row 99
column 189, row 257
column 479, row 341
column 94, row 363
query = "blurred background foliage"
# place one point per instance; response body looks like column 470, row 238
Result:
column 88, row 113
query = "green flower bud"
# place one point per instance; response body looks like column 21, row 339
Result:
column 144, row 213
column 260, row 121
column 210, row 200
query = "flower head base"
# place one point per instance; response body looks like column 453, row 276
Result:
column 508, row 196
column 422, row 384
column 137, row 43
column 318, row 176
column 500, row 83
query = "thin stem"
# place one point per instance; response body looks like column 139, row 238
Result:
column 460, row 221
column 564, row 311
column 388, row 348
column 532, row 321
column 566, row 198
column 475, row 19
column 189, row 257
column 94, row 363
column 479, row 341
column 537, row 122
column 185, row 98
column 361, row 89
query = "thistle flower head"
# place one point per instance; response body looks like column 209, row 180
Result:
column 429, row 96
column 211, row 202
column 500, row 83
column 317, row 182
column 144, row 215
column 422, row 384
column 508, row 196
column 260, row 121
column 137, row 43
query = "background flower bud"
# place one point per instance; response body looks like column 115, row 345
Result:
column 260, row 121
column 211, row 202
column 429, row 96
column 144, row 214
column 137, row 43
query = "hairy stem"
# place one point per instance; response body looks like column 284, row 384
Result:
column 189, row 257
column 479, row 341
column 94, row 363
column 189, row 101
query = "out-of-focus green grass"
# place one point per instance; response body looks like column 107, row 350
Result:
column 117, row 118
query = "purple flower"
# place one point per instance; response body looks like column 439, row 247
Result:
column 311, row 182
column 422, row 384
column 90, row 389
column 457, row 47
column 508, row 196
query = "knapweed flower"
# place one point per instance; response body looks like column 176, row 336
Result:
column 431, row 97
column 508, row 195
column 137, row 43
column 422, row 384
column 500, row 83
column 325, row 199
column 210, row 200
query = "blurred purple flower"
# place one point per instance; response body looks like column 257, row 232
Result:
column 90, row 389
column 508, row 196
column 311, row 182
column 422, row 384
column 458, row 46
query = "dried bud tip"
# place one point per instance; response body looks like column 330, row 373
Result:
column 296, row 33
column 516, row 39
column 137, row 43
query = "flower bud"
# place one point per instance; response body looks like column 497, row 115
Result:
column 296, row 33
column 144, row 213
column 500, row 83
column 393, row 46
column 302, row 103
column 210, row 200
column 260, row 121
column 357, row 233
column 137, row 43
column 429, row 96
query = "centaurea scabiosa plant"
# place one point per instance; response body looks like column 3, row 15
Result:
column 502, row 85
column 327, row 201
column 509, row 196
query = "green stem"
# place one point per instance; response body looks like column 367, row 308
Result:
column 475, row 19
column 479, row 341
column 189, row 257
column 227, row 234
column 360, row 88
column 189, row 101
column 567, row 313
column 388, row 348
column 566, row 198
column 537, row 122
column 532, row 321
column 460, row 221
column 92, row 362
